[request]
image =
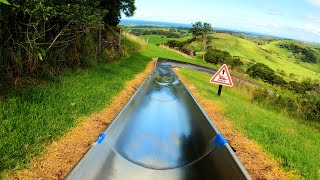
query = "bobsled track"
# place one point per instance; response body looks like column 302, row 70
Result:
column 162, row 133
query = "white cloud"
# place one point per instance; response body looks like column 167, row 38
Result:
column 315, row 2
column 312, row 28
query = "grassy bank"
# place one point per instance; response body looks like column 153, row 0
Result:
column 291, row 142
column 32, row 117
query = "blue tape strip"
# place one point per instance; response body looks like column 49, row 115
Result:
column 101, row 138
column 219, row 140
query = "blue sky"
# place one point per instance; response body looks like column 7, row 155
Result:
column 297, row 19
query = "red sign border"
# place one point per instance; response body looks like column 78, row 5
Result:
column 224, row 66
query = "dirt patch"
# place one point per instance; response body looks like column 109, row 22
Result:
column 59, row 158
column 257, row 162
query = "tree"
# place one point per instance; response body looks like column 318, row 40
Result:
column 115, row 7
column 200, row 31
column 216, row 56
column 265, row 73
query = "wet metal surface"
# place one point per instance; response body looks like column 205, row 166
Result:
column 162, row 133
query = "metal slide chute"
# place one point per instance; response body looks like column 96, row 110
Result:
column 162, row 133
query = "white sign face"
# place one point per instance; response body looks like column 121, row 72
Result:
column 222, row 77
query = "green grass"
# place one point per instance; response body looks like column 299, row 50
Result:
column 293, row 143
column 155, row 51
column 287, row 55
column 158, row 39
column 33, row 117
column 276, row 58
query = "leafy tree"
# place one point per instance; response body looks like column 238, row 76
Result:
column 216, row 56
column 200, row 31
column 303, row 53
column 235, row 62
column 265, row 73
column 4, row 2
column 115, row 8
column 41, row 35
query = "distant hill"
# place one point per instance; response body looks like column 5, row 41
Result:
column 270, row 53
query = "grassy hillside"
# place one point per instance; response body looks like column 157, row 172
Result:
column 269, row 54
column 293, row 143
column 274, row 48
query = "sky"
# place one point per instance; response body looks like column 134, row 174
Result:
column 296, row 19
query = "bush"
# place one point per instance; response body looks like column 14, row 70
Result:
column 265, row 73
column 305, row 54
column 302, row 106
column 235, row 62
column 216, row 56
column 182, row 46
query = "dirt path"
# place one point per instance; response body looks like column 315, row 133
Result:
column 59, row 158
column 258, row 163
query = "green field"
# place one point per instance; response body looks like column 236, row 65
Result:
column 158, row 39
column 292, row 142
column 271, row 55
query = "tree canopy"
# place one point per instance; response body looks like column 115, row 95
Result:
column 200, row 31
column 115, row 8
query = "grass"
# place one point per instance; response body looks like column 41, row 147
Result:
column 293, row 143
column 276, row 58
column 156, row 51
column 33, row 117
column 158, row 39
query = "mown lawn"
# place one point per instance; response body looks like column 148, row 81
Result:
column 293, row 143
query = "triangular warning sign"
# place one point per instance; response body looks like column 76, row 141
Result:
column 222, row 77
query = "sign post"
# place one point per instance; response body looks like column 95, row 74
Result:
column 222, row 77
column 219, row 90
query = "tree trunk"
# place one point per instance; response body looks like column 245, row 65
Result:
column 204, row 47
column 100, row 41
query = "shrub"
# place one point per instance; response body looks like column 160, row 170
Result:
column 305, row 54
column 265, row 73
column 216, row 56
column 235, row 62
column 304, row 106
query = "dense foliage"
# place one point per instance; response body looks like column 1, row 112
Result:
column 115, row 8
column 182, row 46
column 305, row 106
column 303, row 53
column 38, row 37
column 265, row 73
column 217, row 56
column 298, row 99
